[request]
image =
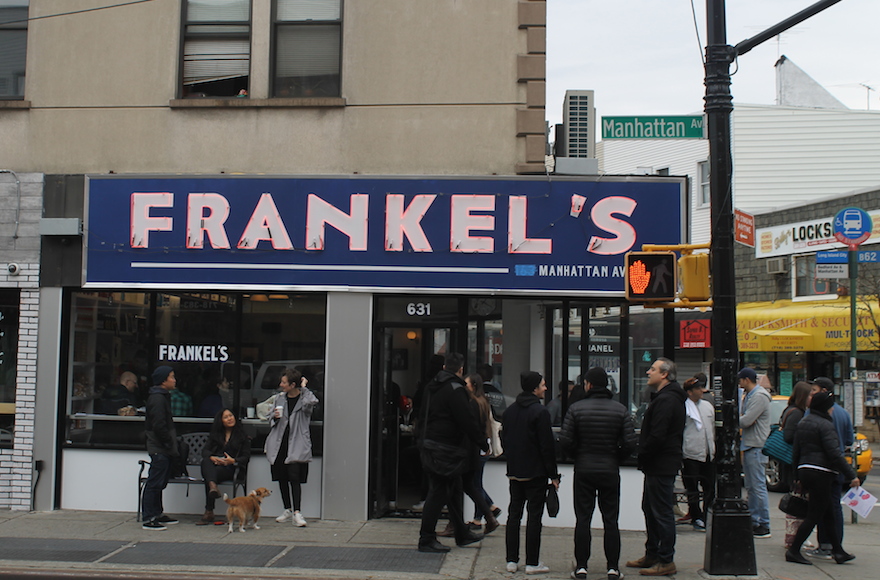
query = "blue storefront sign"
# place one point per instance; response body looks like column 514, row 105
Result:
column 511, row 236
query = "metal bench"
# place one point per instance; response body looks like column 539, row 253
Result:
column 196, row 443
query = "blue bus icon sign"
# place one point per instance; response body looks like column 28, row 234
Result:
column 852, row 226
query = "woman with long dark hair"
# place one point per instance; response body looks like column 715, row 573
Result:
column 818, row 459
column 798, row 403
column 228, row 447
column 289, row 443
column 474, row 487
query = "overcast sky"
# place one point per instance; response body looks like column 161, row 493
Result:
column 642, row 57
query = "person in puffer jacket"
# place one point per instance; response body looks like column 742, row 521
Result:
column 818, row 459
column 598, row 432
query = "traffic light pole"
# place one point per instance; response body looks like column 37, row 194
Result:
column 730, row 547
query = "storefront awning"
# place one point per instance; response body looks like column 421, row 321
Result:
column 806, row 326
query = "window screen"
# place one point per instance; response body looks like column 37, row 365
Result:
column 307, row 45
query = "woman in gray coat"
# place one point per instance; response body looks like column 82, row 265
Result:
column 289, row 444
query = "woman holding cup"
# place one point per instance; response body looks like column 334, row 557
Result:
column 289, row 443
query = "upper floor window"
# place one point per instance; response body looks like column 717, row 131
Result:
column 307, row 46
column 806, row 283
column 13, row 47
column 216, row 48
column 703, row 185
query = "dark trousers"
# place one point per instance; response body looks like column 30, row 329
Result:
column 823, row 533
column 696, row 476
column 442, row 491
column 217, row 474
column 587, row 486
column 478, row 486
column 157, row 479
column 658, row 499
column 532, row 495
column 472, row 485
column 818, row 484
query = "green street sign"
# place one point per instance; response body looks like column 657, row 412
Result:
column 663, row 127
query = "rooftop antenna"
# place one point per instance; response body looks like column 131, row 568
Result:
column 868, row 89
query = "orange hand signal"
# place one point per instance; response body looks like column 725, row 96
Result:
column 638, row 277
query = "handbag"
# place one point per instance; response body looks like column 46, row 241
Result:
column 794, row 505
column 442, row 458
column 776, row 447
column 552, row 501
column 495, row 448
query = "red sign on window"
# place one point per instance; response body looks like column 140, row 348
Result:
column 695, row 334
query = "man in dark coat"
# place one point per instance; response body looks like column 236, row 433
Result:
column 527, row 438
column 447, row 419
column 598, row 432
column 660, row 455
column 161, row 445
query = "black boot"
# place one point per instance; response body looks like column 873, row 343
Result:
column 792, row 556
column 841, row 556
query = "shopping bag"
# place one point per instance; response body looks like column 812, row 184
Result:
column 776, row 447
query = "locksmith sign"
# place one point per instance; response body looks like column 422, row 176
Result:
column 510, row 236
column 805, row 237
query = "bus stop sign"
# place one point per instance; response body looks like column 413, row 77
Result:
column 852, row 226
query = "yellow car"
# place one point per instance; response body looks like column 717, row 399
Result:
column 778, row 476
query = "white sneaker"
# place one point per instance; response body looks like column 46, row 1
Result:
column 614, row 574
column 284, row 517
column 299, row 520
column 512, row 567
column 541, row 568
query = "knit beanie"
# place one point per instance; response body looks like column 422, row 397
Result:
column 529, row 381
column 160, row 374
column 597, row 377
column 822, row 402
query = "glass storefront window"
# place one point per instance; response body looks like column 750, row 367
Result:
column 646, row 335
column 9, row 305
column 227, row 350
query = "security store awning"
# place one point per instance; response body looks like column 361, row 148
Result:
column 818, row 325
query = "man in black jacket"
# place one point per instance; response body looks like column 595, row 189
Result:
column 660, row 455
column 447, row 419
column 598, row 432
column 161, row 445
column 527, row 438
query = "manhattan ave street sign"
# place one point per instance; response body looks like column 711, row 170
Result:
column 659, row 127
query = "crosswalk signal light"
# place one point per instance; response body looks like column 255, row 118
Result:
column 651, row 276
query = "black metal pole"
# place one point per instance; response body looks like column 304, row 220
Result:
column 730, row 546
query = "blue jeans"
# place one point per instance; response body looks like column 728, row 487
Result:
column 755, row 472
column 157, row 479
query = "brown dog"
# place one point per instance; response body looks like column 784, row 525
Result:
column 245, row 508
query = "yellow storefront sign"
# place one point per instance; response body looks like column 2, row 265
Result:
column 806, row 326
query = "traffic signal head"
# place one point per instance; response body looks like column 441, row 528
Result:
column 651, row 276
column 694, row 272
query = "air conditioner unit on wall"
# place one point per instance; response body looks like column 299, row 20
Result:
column 777, row 265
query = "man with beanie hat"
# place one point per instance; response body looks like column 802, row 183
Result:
column 527, row 438
column 846, row 437
column 660, row 454
column 598, row 432
column 755, row 425
column 161, row 445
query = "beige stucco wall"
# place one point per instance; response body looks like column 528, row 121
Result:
column 428, row 87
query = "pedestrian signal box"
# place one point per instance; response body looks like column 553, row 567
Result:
column 651, row 276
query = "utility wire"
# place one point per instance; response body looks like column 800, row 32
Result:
column 697, row 31
column 76, row 11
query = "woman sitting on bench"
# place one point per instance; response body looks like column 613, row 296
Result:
column 228, row 447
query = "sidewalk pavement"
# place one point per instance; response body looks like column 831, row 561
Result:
column 81, row 544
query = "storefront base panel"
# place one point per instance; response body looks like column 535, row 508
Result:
column 631, row 518
column 107, row 481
